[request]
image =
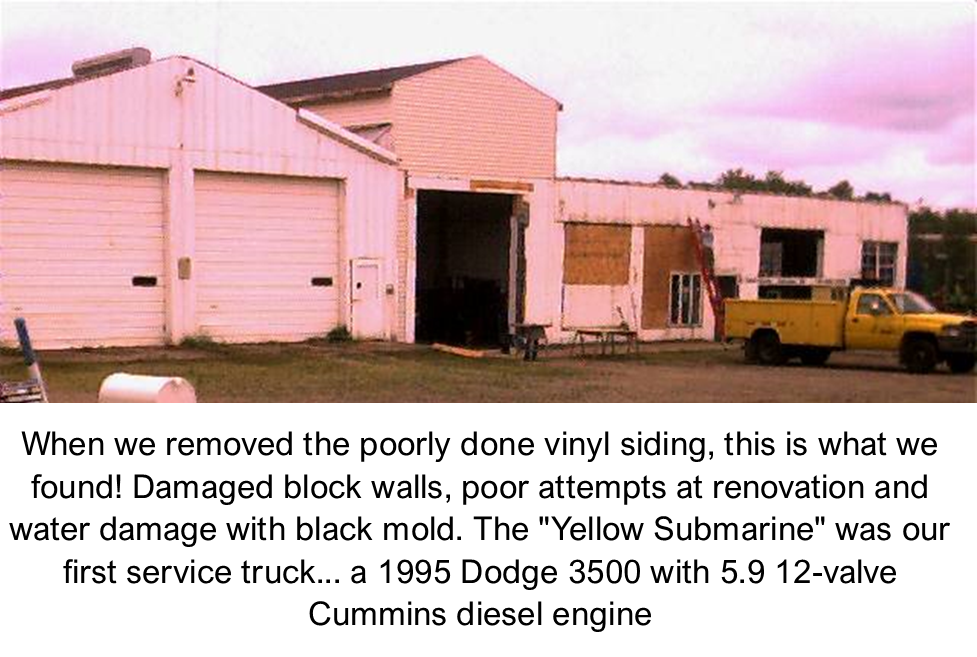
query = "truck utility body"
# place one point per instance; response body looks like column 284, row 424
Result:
column 878, row 319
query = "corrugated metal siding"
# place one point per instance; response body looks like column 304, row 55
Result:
column 260, row 241
column 71, row 241
column 363, row 110
column 136, row 118
column 127, row 119
column 471, row 118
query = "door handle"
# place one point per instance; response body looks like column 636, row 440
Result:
column 854, row 320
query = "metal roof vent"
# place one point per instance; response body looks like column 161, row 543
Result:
column 111, row 62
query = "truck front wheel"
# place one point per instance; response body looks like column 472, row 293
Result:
column 769, row 351
column 961, row 363
column 920, row 356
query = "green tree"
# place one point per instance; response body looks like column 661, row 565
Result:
column 773, row 182
column 842, row 190
column 738, row 180
column 669, row 180
column 943, row 257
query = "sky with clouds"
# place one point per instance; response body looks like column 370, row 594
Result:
column 881, row 94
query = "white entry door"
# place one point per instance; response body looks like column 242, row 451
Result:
column 367, row 299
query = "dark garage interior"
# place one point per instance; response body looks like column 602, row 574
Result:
column 463, row 268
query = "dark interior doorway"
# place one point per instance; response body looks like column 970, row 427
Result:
column 791, row 253
column 463, row 263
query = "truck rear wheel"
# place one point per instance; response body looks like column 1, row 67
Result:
column 961, row 363
column 815, row 357
column 749, row 351
column 769, row 351
column 919, row 355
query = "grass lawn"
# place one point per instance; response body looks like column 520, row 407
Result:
column 400, row 373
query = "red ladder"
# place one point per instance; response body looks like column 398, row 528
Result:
column 708, row 280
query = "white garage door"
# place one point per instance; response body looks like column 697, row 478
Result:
column 267, row 254
column 81, row 255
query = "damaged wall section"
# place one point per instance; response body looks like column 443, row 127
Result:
column 664, row 296
column 596, row 254
column 671, row 278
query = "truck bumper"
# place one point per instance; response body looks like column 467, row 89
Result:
column 965, row 343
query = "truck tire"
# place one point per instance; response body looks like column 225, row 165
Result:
column 749, row 351
column 815, row 357
column 961, row 363
column 769, row 351
column 919, row 356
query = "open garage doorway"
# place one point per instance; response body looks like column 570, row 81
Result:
column 464, row 268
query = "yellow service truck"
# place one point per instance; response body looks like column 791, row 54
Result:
column 836, row 319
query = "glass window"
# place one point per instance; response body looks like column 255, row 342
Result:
column 695, row 318
column 685, row 301
column 911, row 303
column 675, row 299
column 872, row 304
column 879, row 262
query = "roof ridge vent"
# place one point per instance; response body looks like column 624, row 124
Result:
column 111, row 62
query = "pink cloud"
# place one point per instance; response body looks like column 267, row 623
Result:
column 903, row 85
column 955, row 145
column 782, row 144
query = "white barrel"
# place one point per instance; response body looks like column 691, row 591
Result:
column 134, row 388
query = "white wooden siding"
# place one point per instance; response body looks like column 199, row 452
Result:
column 71, row 241
column 473, row 119
column 364, row 110
column 260, row 241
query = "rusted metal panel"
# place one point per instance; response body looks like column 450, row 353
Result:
column 500, row 185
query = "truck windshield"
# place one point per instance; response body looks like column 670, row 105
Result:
column 910, row 303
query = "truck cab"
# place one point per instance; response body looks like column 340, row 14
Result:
column 887, row 319
column 859, row 318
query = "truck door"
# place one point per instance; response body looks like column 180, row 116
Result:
column 873, row 324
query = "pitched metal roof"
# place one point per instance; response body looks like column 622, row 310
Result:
column 348, row 84
column 14, row 92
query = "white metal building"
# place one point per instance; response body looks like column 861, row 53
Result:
column 485, row 222
column 145, row 202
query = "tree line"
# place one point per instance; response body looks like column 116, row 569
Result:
column 774, row 182
column 943, row 257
